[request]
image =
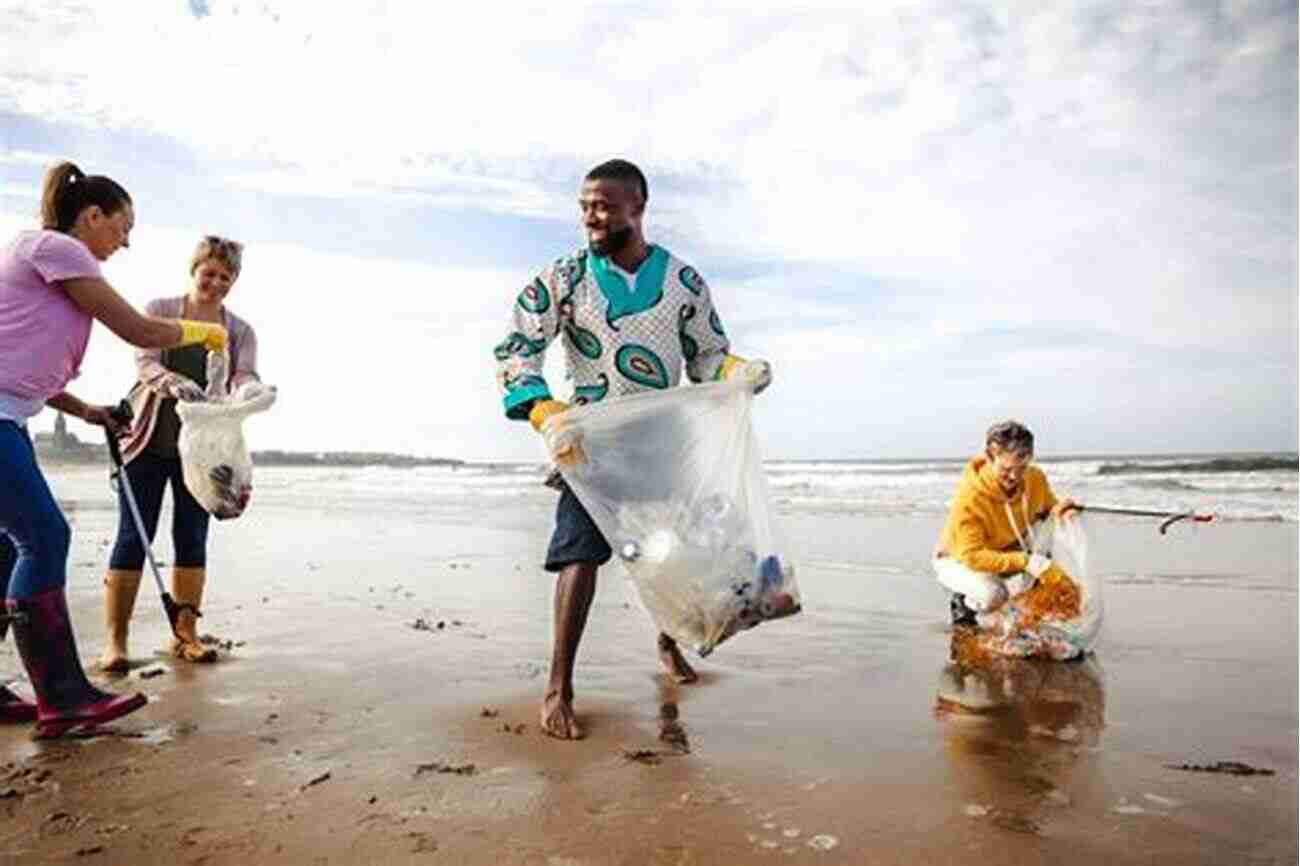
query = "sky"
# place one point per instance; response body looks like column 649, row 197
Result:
column 927, row 217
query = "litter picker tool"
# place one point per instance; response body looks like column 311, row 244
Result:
column 122, row 414
column 1170, row 517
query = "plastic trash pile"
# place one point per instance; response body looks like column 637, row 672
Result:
column 674, row 482
column 1058, row 619
column 698, row 575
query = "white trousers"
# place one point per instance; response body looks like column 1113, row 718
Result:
column 984, row 591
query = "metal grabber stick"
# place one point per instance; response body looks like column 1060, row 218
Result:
column 122, row 414
column 1170, row 517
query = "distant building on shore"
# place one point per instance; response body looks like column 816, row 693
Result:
column 63, row 445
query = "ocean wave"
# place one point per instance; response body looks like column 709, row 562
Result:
column 1216, row 464
column 847, row 482
column 1242, row 517
column 1227, row 580
column 1163, row 484
column 1243, row 496
column 786, row 470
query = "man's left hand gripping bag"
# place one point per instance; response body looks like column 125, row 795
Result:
column 214, row 458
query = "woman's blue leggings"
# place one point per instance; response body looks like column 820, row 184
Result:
column 30, row 517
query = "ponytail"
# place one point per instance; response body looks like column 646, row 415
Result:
column 68, row 191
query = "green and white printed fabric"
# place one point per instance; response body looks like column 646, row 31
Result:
column 620, row 336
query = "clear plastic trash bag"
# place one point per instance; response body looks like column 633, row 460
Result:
column 214, row 458
column 674, row 481
column 1014, row 630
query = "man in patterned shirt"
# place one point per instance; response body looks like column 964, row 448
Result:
column 631, row 316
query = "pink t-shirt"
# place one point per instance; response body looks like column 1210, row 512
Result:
column 43, row 333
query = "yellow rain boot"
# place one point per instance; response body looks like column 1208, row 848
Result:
column 120, row 588
column 187, row 588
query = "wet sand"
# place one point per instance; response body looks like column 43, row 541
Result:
column 332, row 731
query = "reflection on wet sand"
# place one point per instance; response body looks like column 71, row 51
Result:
column 1014, row 699
column 671, row 730
column 1018, row 732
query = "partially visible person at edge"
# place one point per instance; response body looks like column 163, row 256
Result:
column 631, row 315
column 996, row 543
column 51, row 291
column 150, row 449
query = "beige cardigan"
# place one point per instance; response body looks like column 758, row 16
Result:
column 150, row 389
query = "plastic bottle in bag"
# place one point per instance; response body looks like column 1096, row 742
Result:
column 215, row 463
column 674, row 481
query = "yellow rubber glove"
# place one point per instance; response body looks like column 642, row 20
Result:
column 543, row 409
column 563, row 442
column 756, row 374
column 210, row 334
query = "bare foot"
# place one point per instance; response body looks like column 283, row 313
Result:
column 674, row 662
column 557, row 717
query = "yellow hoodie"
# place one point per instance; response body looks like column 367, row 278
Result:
column 978, row 533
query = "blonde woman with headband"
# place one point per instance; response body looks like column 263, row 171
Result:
column 150, row 448
column 51, row 293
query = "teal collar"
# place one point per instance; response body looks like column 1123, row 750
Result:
column 622, row 300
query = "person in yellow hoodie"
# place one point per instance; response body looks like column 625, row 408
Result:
column 996, row 543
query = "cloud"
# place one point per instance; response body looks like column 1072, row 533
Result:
column 26, row 191
column 363, row 349
column 433, row 187
column 28, row 158
column 867, row 190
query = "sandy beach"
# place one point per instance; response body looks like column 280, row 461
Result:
column 779, row 294
column 334, row 730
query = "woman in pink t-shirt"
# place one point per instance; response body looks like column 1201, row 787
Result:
column 51, row 291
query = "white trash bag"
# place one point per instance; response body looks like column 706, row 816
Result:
column 674, row 482
column 214, row 458
column 1019, row 629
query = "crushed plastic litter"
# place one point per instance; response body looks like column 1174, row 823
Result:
column 215, row 463
column 1058, row 618
column 674, row 482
